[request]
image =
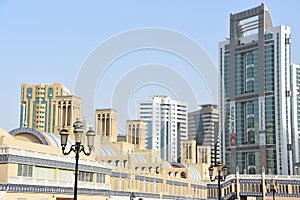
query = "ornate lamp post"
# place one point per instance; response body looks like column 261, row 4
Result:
column 221, row 175
column 77, row 147
column 273, row 187
column 132, row 196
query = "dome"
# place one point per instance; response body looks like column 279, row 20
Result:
column 138, row 158
column 35, row 136
column 195, row 176
column 106, row 151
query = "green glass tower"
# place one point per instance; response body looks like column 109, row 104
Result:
column 257, row 125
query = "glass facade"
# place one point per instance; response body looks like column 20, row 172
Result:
column 227, row 75
column 269, row 68
column 258, row 106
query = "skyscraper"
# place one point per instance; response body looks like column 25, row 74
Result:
column 48, row 107
column 166, row 125
column 295, row 115
column 256, row 95
column 203, row 126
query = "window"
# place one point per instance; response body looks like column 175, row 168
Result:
column 227, row 47
column 85, row 176
column 44, row 173
column 65, row 174
column 250, row 108
column 249, row 58
column 250, row 72
column 25, row 170
column 268, row 36
column 100, row 178
column 251, row 137
column 250, row 122
column 250, row 86
column 251, row 159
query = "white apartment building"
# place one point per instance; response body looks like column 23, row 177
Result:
column 166, row 125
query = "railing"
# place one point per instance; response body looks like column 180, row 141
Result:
column 59, row 183
column 248, row 176
column 283, row 176
column 29, row 153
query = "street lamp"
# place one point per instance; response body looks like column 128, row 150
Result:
column 77, row 147
column 273, row 187
column 132, row 196
column 222, row 172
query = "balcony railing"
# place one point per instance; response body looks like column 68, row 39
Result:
column 57, row 183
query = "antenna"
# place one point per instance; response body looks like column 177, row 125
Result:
column 232, row 6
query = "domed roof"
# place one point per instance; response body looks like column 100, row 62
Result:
column 195, row 176
column 55, row 139
column 106, row 151
column 44, row 138
column 138, row 158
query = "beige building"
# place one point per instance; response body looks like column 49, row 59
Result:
column 67, row 111
column 106, row 124
column 136, row 133
column 48, row 107
column 33, row 168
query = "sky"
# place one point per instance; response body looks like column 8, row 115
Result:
column 55, row 41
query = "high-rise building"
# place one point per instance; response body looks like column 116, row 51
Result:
column 257, row 124
column 295, row 103
column 203, row 126
column 48, row 107
column 166, row 125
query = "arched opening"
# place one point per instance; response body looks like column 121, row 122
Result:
column 27, row 137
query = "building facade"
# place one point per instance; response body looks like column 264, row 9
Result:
column 67, row 110
column 295, row 102
column 34, row 168
column 106, row 124
column 256, row 106
column 136, row 133
column 166, row 125
column 48, row 107
column 203, row 126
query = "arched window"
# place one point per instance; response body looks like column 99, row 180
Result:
column 183, row 175
column 252, row 170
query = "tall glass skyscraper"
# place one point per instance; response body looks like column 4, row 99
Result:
column 256, row 98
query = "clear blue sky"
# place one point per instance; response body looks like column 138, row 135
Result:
column 47, row 41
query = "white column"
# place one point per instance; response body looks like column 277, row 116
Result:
column 72, row 113
column 110, row 127
column 104, row 126
column 66, row 116
column 59, row 115
column 56, row 114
